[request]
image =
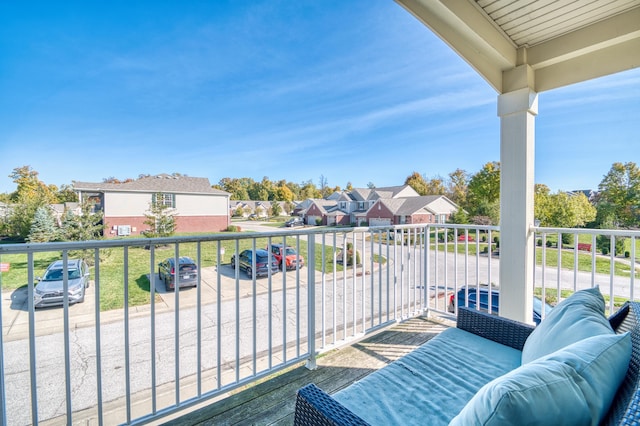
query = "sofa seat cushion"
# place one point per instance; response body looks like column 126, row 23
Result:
column 433, row 382
column 572, row 386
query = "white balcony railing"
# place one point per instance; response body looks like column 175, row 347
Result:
column 133, row 352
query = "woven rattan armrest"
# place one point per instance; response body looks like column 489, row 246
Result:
column 499, row 329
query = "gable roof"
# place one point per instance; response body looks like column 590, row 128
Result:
column 411, row 205
column 158, row 183
column 323, row 205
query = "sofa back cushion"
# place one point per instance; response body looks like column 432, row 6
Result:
column 573, row 386
column 579, row 316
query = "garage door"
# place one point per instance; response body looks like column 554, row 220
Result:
column 311, row 220
column 380, row 222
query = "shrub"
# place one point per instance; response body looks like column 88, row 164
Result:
column 485, row 249
column 605, row 250
column 567, row 239
column 233, row 228
column 539, row 242
column 627, row 254
column 496, row 240
column 549, row 243
column 318, row 221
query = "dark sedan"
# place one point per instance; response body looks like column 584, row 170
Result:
column 187, row 272
column 259, row 262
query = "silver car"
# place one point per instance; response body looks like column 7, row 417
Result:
column 49, row 288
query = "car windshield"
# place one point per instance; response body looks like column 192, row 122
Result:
column 289, row 251
column 262, row 259
column 57, row 274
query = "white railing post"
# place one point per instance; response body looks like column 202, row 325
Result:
column 311, row 302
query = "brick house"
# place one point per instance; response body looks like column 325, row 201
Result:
column 411, row 210
column 198, row 207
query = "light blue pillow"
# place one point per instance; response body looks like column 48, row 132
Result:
column 577, row 317
column 574, row 385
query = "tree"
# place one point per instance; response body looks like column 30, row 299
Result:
column 417, row 182
column 43, row 227
column 619, row 195
column 484, row 189
column 435, row 186
column 66, row 194
column 160, row 219
column 88, row 225
column 371, row 185
column 309, row 190
column 457, row 187
column 459, row 217
column 276, row 209
column 325, row 191
column 284, row 193
column 29, row 195
column 288, row 207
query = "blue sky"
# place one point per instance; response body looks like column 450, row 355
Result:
column 355, row 91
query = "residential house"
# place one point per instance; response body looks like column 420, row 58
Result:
column 351, row 207
column 259, row 208
column 411, row 210
column 197, row 206
column 59, row 209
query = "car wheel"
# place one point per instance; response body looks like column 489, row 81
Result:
column 233, row 263
column 249, row 272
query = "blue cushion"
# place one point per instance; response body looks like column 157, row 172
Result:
column 574, row 385
column 431, row 384
column 579, row 316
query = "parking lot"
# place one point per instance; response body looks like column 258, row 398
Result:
column 15, row 315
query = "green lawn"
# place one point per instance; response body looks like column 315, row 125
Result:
column 112, row 261
column 551, row 297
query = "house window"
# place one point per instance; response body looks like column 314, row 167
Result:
column 168, row 200
column 360, row 205
column 343, row 205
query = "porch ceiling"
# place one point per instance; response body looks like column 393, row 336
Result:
column 562, row 41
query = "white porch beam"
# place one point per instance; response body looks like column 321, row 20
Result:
column 517, row 110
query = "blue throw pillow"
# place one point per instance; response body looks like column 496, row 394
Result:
column 579, row 316
column 573, row 386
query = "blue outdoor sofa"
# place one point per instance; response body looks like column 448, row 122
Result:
column 577, row 367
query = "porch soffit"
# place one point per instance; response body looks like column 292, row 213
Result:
column 562, row 41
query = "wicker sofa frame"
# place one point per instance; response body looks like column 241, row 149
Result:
column 317, row 408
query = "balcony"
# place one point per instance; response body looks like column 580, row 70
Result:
column 134, row 353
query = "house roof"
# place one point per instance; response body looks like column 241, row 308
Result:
column 411, row 205
column 364, row 194
column 158, row 183
column 324, row 206
column 561, row 42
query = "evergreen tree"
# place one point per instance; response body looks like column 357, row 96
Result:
column 43, row 227
column 88, row 225
column 160, row 219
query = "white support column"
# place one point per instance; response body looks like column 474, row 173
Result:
column 517, row 110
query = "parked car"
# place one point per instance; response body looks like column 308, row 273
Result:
column 495, row 298
column 49, row 290
column 294, row 221
column 259, row 262
column 187, row 272
column 292, row 258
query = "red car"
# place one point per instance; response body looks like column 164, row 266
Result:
column 292, row 258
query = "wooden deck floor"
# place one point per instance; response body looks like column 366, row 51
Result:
column 272, row 402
